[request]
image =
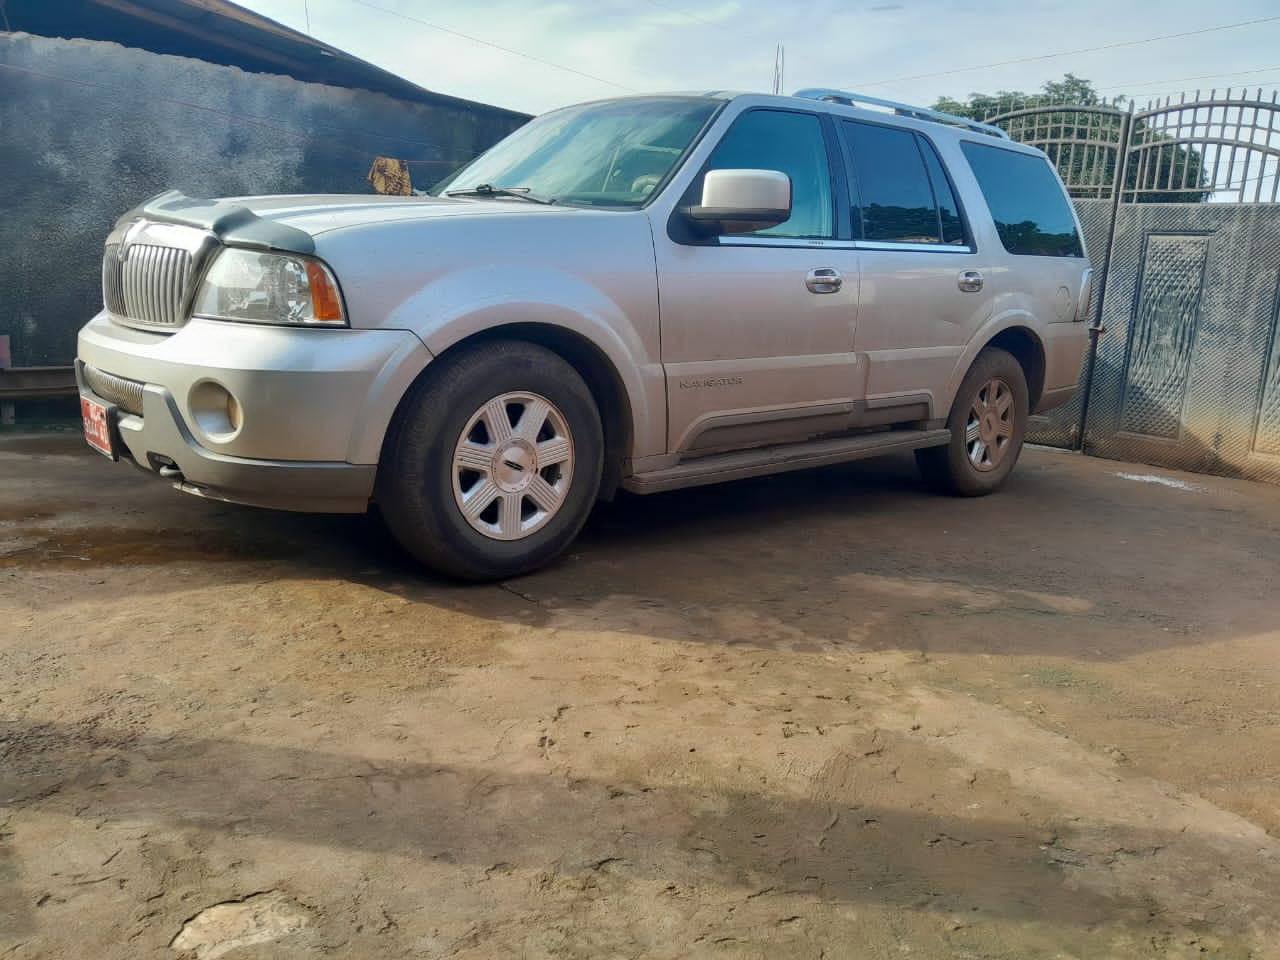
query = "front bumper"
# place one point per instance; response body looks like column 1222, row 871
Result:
column 313, row 406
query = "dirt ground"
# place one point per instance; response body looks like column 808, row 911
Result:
column 821, row 715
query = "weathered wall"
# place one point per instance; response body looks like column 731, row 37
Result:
column 89, row 129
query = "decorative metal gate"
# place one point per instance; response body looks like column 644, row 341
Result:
column 1179, row 207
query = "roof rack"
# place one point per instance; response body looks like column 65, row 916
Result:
column 901, row 109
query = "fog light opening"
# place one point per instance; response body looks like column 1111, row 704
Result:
column 216, row 411
column 234, row 414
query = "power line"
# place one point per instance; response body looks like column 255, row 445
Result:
column 1174, row 93
column 1139, row 84
column 1069, row 53
column 488, row 43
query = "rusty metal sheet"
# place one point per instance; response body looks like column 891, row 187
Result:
column 391, row 177
column 32, row 383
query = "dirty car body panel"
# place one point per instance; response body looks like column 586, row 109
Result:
column 302, row 352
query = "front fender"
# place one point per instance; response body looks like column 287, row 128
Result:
column 477, row 300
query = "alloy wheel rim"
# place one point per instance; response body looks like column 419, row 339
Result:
column 513, row 466
column 988, row 434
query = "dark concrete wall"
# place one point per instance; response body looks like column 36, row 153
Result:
column 89, row 129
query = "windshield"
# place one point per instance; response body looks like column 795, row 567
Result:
column 613, row 153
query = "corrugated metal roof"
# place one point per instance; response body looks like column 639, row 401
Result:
column 216, row 31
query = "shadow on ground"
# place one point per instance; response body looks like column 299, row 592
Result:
column 906, row 858
column 1068, row 560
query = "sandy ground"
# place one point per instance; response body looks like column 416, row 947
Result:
column 822, row 715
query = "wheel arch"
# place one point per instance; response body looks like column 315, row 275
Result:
column 1025, row 346
column 1028, row 350
column 592, row 364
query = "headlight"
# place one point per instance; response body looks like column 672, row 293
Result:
column 269, row 288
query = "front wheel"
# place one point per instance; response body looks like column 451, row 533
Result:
column 494, row 462
column 988, row 422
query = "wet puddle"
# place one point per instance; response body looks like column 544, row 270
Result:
column 118, row 546
column 12, row 513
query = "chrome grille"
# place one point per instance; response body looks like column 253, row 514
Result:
column 146, row 283
column 155, row 284
column 113, row 280
column 125, row 394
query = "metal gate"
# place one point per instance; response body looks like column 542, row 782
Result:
column 1180, row 212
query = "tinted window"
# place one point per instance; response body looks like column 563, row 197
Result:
column 792, row 143
column 1028, row 204
column 896, row 198
column 948, row 208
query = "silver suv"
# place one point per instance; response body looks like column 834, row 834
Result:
column 648, row 293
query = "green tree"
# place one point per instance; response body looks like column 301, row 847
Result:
column 1081, row 133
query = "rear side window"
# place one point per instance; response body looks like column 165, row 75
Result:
column 948, row 209
column 900, row 193
column 1030, row 208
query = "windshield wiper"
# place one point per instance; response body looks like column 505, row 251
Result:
column 489, row 190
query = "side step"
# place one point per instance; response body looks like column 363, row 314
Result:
column 740, row 464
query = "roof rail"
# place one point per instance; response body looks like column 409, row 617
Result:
column 901, row 109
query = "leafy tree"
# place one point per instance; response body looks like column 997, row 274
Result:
column 1082, row 142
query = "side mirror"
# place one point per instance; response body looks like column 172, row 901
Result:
column 742, row 201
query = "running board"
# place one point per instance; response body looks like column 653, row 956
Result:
column 740, row 464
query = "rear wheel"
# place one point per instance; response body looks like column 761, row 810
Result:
column 494, row 462
column 988, row 422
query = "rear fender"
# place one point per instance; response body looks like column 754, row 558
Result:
column 995, row 326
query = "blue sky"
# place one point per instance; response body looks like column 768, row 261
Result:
column 913, row 50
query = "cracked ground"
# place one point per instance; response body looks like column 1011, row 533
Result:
column 819, row 715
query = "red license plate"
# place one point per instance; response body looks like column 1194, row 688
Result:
column 97, row 426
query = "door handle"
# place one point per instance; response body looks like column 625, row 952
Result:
column 970, row 281
column 824, row 280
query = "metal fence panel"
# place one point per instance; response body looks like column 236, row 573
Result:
column 1188, row 374
column 1266, row 437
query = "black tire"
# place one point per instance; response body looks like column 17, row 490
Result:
column 421, row 487
column 978, row 463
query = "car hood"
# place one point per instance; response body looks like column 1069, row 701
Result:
column 292, row 222
column 316, row 213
